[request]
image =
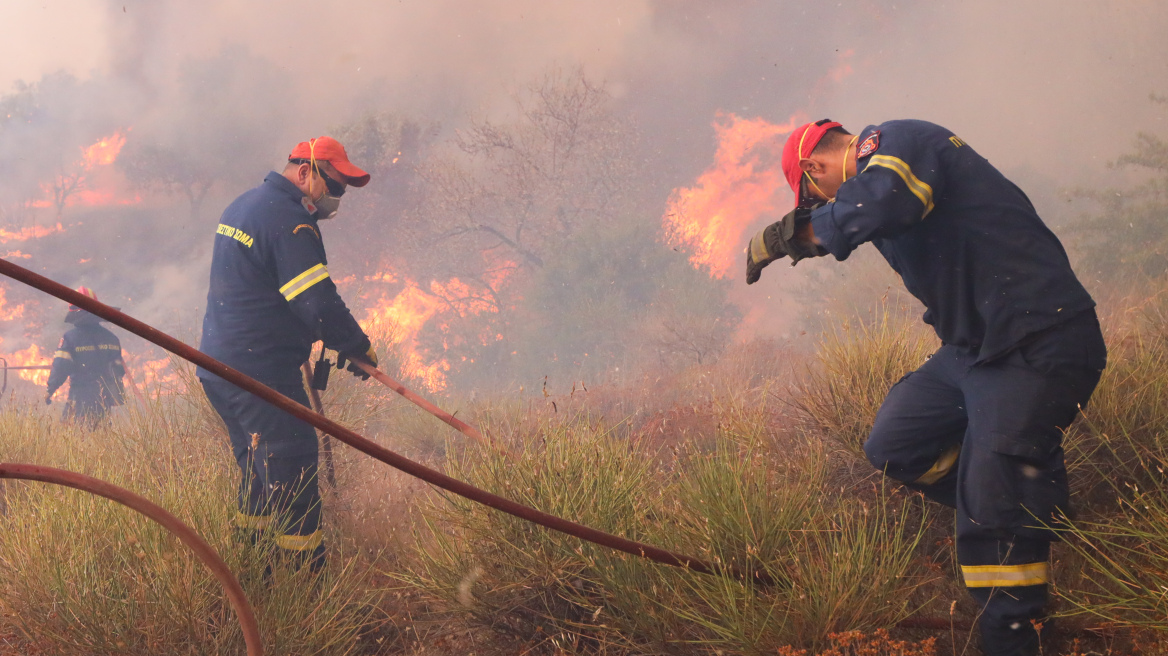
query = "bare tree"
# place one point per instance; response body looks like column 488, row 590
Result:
column 519, row 190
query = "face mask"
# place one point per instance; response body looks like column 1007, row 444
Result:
column 326, row 207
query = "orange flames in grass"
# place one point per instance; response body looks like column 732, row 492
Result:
column 31, row 232
column 711, row 219
column 151, row 376
column 31, row 356
column 400, row 318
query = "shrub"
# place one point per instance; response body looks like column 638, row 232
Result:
column 857, row 362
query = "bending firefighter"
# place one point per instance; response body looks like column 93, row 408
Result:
column 90, row 358
column 270, row 299
column 979, row 426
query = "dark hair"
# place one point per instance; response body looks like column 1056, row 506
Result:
column 832, row 139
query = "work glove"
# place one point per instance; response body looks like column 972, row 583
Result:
column 780, row 240
column 48, row 399
column 368, row 357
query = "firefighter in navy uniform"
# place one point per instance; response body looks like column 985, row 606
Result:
column 270, row 299
column 90, row 358
column 979, row 426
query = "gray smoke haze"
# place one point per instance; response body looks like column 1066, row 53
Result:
column 1048, row 90
column 1048, row 83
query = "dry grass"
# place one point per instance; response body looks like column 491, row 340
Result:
column 856, row 363
column 706, row 463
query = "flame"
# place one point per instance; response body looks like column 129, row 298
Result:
column 31, row 232
column 9, row 313
column 31, row 356
column 104, row 152
column 152, row 376
column 710, row 220
column 16, row 254
column 399, row 319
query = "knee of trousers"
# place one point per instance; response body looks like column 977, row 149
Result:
column 889, row 462
column 877, row 454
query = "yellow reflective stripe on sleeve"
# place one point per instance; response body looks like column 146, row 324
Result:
column 301, row 542
column 303, row 281
column 1005, row 576
column 64, row 355
column 758, row 249
column 919, row 188
column 255, row 522
column 943, row 466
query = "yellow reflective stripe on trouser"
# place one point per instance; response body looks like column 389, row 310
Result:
column 943, row 466
column 303, row 281
column 64, row 355
column 919, row 188
column 256, row 522
column 1005, row 576
column 301, row 542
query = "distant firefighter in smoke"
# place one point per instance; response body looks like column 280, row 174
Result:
column 270, row 299
column 979, row 426
column 90, row 358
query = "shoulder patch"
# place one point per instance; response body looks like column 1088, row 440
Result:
column 62, row 344
column 869, row 145
column 307, row 226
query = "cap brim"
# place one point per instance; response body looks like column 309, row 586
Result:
column 354, row 177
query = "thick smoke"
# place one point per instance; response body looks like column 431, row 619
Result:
column 217, row 92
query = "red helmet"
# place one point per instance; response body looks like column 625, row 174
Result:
column 84, row 291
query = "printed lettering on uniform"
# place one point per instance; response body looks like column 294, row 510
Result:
column 956, row 140
column 236, row 234
column 869, row 145
column 310, row 228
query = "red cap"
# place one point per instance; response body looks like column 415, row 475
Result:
column 331, row 151
column 799, row 146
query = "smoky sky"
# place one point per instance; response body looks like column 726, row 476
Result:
column 1054, row 85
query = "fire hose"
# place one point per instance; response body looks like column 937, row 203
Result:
column 391, row 458
column 187, row 535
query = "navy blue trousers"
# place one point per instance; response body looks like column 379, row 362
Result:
column 277, row 457
column 986, row 439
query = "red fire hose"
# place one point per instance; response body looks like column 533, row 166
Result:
column 202, row 550
column 364, row 445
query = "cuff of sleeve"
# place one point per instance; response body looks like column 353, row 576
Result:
column 828, row 234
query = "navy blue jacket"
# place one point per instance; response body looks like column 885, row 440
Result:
column 271, row 296
column 91, row 356
column 966, row 241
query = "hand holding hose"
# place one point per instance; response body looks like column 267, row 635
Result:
column 368, row 357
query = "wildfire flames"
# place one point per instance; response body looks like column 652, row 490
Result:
column 400, row 318
column 710, row 220
column 69, row 187
column 104, row 152
column 25, row 234
column 31, row 356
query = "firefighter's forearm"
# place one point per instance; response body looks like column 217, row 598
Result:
column 331, row 322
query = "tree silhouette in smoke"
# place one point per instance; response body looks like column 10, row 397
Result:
column 219, row 125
